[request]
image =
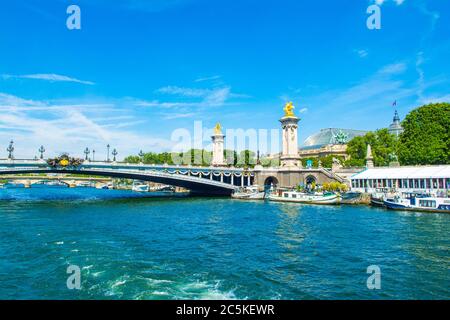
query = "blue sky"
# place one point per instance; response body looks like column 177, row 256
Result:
column 137, row 70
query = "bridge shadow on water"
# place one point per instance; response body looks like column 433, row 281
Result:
column 63, row 194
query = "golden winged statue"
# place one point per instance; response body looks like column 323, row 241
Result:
column 289, row 110
column 218, row 129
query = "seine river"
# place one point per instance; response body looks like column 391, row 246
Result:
column 129, row 247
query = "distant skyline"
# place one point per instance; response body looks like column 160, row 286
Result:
column 138, row 70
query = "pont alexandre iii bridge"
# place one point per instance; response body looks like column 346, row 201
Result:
column 217, row 179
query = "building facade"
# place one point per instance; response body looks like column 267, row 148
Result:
column 432, row 179
column 329, row 141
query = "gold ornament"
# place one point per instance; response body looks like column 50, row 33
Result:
column 218, row 129
column 289, row 110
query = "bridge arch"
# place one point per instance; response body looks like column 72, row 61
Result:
column 270, row 182
column 194, row 184
column 310, row 179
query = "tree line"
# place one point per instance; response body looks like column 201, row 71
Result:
column 195, row 157
column 425, row 140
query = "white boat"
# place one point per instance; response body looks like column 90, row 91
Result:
column 350, row 197
column 418, row 202
column 2, row 185
column 104, row 186
column 84, row 184
column 300, row 197
column 140, row 188
column 249, row 193
column 162, row 188
column 377, row 197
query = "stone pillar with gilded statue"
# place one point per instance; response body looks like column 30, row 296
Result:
column 218, row 139
column 289, row 123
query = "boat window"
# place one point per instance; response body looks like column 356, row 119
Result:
column 435, row 185
column 286, row 195
column 294, row 196
column 422, row 184
column 427, row 203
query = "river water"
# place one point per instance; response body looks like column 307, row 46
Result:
column 130, row 247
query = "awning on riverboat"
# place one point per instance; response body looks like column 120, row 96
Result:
column 417, row 172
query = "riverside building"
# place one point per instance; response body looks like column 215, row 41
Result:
column 434, row 179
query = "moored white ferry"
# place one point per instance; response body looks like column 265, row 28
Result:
column 300, row 197
column 140, row 188
column 418, row 202
column 249, row 193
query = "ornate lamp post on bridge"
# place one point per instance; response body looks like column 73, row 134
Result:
column 114, row 153
column 86, row 152
column 41, row 151
column 141, row 156
column 93, row 155
column 10, row 150
column 107, row 147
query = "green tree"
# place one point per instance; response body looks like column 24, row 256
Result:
column 383, row 143
column 246, row 159
column 426, row 136
column 231, row 157
column 132, row 159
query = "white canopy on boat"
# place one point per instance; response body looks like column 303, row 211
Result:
column 418, row 172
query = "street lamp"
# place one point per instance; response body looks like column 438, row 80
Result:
column 86, row 152
column 114, row 153
column 41, row 151
column 107, row 147
column 93, row 155
column 10, row 150
column 141, row 155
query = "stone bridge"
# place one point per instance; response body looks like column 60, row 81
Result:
column 201, row 180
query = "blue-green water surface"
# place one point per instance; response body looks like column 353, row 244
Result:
column 130, row 247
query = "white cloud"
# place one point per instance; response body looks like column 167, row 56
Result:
column 364, row 99
column 70, row 128
column 218, row 97
column 303, row 110
column 380, row 2
column 208, row 97
column 207, row 79
column 435, row 99
column 362, row 53
column 185, row 92
column 171, row 116
column 48, row 77
column 395, row 68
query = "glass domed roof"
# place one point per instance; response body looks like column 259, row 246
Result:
column 331, row 136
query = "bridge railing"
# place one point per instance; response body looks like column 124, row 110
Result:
column 136, row 174
column 103, row 164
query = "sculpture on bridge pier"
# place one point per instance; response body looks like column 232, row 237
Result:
column 218, row 147
column 64, row 161
column 289, row 123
